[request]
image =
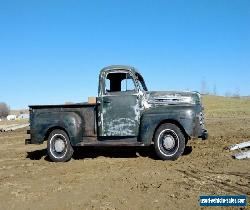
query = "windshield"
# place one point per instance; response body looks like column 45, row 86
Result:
column 141, row 82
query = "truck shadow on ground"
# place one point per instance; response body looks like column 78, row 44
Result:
column 37, row 154
column 109, row 152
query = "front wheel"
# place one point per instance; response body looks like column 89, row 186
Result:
column 169, row 142
column 58, row 146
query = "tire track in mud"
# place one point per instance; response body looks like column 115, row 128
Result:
column 221, row 181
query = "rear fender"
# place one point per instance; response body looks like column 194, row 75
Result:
column 67, row 121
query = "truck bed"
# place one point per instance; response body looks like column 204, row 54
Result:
column 79, row 118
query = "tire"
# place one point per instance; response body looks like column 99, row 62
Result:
column 169, row 142
column 58, row 146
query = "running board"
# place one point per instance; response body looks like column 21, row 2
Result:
column 92, row 141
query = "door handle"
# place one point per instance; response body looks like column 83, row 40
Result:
column 106, row 101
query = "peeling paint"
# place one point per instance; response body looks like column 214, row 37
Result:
column 120, row 127
column 137, row 113
column 170, row 97
column 144, row 100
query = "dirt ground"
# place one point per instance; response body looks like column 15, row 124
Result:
column 129, row 178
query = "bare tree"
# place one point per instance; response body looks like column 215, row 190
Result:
column 236, row 93
column 204, row 87
column 215, row 90
column 4, row 110
column 228, row 94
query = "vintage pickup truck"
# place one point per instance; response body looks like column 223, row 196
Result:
column 125, row 113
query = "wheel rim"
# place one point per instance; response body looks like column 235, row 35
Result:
column 58, row 146
column 168, row 142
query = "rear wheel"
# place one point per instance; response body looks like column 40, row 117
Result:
column 169, row 142
column 58, row 146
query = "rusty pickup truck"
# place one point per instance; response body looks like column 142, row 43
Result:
column 125, row 113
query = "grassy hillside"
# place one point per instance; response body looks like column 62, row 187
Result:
column 219, row 106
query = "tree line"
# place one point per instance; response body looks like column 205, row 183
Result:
column 205, row 90
column 4, row 110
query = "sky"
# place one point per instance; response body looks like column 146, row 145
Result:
column 51, row 51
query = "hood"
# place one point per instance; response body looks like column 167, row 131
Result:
column 173, row 97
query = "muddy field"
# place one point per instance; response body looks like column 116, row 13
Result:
column 129, row 178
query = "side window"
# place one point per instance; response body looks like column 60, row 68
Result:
column 107, row 85
column 128, row 84
column 119, row 82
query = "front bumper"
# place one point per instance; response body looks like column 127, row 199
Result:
column 204, row 135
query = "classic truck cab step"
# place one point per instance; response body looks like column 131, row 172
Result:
column 93, row 141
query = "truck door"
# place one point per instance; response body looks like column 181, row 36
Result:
column 120, row 113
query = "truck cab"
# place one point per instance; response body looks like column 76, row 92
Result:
column 120, row 102
column 125, row 113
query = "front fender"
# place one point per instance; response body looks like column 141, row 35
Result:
column 183, row 116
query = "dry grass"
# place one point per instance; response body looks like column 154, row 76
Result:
column 218, row 106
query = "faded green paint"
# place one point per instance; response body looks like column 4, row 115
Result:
column 185, row 116
column 120, row 115
column 71, row 118
column 119, row 112
column 135, row 113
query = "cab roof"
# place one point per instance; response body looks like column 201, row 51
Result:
column 119, row 67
